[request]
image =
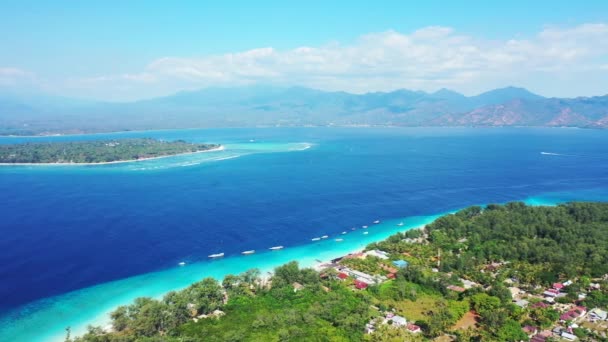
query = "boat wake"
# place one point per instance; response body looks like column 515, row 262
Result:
column 552, row 154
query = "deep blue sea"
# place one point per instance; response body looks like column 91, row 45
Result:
column 65, row 228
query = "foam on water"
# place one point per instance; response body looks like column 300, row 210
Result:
column 230, row 151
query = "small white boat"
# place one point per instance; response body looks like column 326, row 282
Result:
column 400, row 224
column 248, row 252
column 343, row 233
column 315, row 239
column 377, row 221
column 324, row 237
column 182, row 263
column 276, row 248
column 217, row 255
column 339, row 240
column 365, row 233
column 353, row 228
column 364, row 227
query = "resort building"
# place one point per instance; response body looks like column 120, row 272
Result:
column 540, row 305
column 398, row 321
column 377, row 253
column 551, row 293
column 530, row 330
column 455, row 288
column 413, row 328
column 598, row 314
column 568, row 336
column 363, row 277
column 573, row 314
column 360, row 285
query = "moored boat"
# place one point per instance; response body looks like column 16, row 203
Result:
column 364, row 227
column 365, row 233
column 315, row 239
column 324, row 236
column 400, row 224
column 248, row 252
column 339, row 240
column 217, row 255
column 377, row 221
column 276, row 248
column 182, row 263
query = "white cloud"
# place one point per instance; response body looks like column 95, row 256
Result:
column 13, row 77
column 427, row 59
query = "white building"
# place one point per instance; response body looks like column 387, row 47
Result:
column 399, row 321
column 377, row 253
column 598, row 314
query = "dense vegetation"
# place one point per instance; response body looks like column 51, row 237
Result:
column 531, row 247
column 254, row 312
column 543, row 243
column 96, row 151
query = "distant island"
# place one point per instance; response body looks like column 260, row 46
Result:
column 97, row 151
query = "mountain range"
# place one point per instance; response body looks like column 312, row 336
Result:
column 298, row 106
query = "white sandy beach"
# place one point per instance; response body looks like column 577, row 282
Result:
column 49, row 317
column 320, row 263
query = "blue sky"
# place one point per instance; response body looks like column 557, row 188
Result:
column 123, row 50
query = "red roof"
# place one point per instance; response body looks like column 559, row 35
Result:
column 538, row 338
column 574, row 313
column 558, row 286
column 360, row 285
column 342, row 275
column 540, row 305
column 413, row 327
column 391, row 276
column 456, row 288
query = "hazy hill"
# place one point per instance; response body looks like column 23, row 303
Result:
column 270, row 106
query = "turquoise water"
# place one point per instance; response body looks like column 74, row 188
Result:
column 93, row 304
column 80, row 240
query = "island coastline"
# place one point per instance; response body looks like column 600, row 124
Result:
column 215, row 149
column 102, row 317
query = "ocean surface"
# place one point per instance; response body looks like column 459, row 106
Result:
column 76, row 241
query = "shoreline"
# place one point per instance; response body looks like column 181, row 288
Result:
column 48, row 317
column 320, row 263
column 215, row 149
column 92, row 305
